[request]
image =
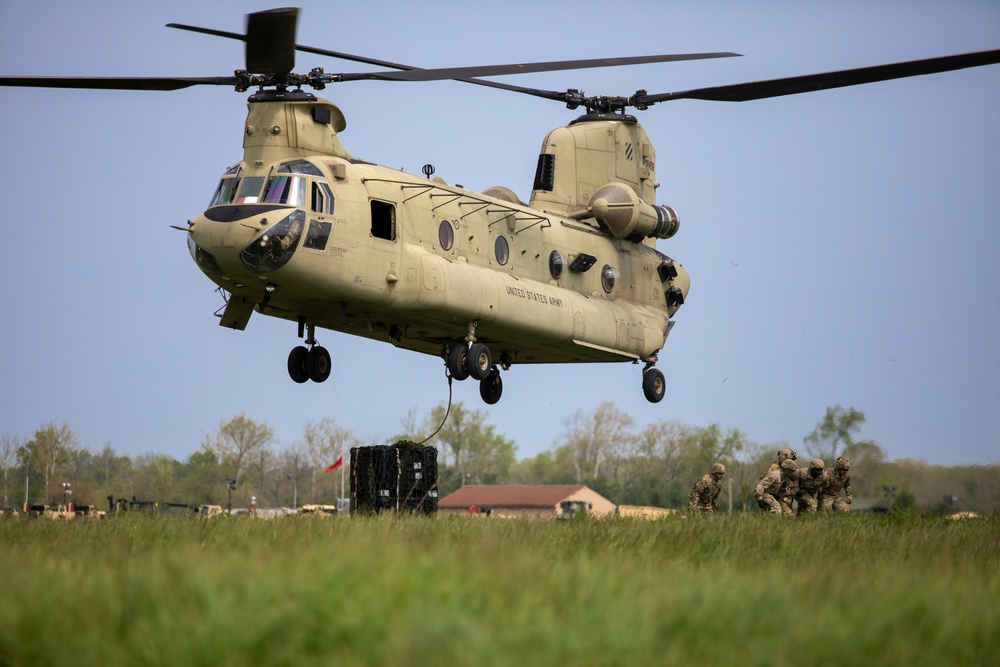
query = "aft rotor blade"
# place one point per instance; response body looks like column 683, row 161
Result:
column 756, row 90
column 462, row 73
column 116, row 83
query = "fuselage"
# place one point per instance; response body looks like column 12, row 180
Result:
column 302, row 230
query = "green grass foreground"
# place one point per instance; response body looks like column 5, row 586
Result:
column 749, row 590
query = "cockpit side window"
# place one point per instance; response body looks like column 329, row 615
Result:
column 322, row 198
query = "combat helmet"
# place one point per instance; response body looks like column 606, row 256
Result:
column 816, row 463
column 788, row 464
column 843, row 464
column 786, row 453
column 718, row 467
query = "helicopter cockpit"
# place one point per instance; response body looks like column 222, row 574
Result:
column 297, row 184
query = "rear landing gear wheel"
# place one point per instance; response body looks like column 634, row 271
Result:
column 297, row 364
column 457, row 360
column 654, row 386
column 318, row 364
column 491, row 387
column 480, row 361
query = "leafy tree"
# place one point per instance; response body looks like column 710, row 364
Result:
column 834, row 437
column 477, row 453
column 47, row 453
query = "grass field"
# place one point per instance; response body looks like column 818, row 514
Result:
column 748, row 590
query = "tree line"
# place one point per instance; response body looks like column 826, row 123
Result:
column 603, row 449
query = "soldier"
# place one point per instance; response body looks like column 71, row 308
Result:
column 704, row 497
column 773, row 487
column 835, row 480
column 809, row 482
column 783, row 454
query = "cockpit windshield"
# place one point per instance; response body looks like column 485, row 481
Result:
column 286, row 190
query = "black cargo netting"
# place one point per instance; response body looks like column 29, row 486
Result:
column 401, row 477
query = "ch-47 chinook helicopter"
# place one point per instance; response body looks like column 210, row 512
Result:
column 302, row 230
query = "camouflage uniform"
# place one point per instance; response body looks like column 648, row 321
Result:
column 704, row 497
column 836, row 478
column 809, row 480
column 773, row 487
column 786, row 494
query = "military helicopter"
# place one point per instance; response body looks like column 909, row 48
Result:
column 302, row 230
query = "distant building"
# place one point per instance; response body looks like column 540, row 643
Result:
column 519, row 500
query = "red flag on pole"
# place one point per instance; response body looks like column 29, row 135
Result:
column 336, row 464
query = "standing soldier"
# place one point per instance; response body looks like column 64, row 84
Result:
column 809, row 482
column 773, row 486
column 704, row 497
column 829, row 492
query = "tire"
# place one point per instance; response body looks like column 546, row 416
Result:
column 479, row 361
column 318, row 364
column 491, row 388
column 654, row 386
column 297, row 364
column 457, row 358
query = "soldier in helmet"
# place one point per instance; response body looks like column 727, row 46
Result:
column 704, row 497
column 829, row 492
column 787, row 492
column 773, row 487
column 809, row 481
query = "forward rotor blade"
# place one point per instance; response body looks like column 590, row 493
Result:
column 463, row 73
column 271, row 41
column 116, row 83
column 756, row 90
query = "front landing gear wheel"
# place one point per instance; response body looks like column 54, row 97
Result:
column 318, row 364
column 457, row 360
column 491, row 387
column 653, row 385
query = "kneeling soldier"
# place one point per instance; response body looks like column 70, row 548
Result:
column 704, row 497
column 809, row 480
column 829, row 492
column 773, row 486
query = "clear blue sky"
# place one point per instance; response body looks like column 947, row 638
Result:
column 843, row 245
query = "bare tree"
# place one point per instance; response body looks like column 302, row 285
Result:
column 237, row 440
column 9, row 446
column 325, row 442
column 605, row 435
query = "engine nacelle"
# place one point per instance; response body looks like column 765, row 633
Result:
column 618, row 208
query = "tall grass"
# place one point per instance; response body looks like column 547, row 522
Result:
column 746, row 590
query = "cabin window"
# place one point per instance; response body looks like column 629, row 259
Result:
column 318, row 235
column 556, row 264
column 383, row 220
column 502, row 250
column 286, row 190
column 250, row 190
column 609, row 277
column 322, row 198
column 545, row 172
column 446, row 235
